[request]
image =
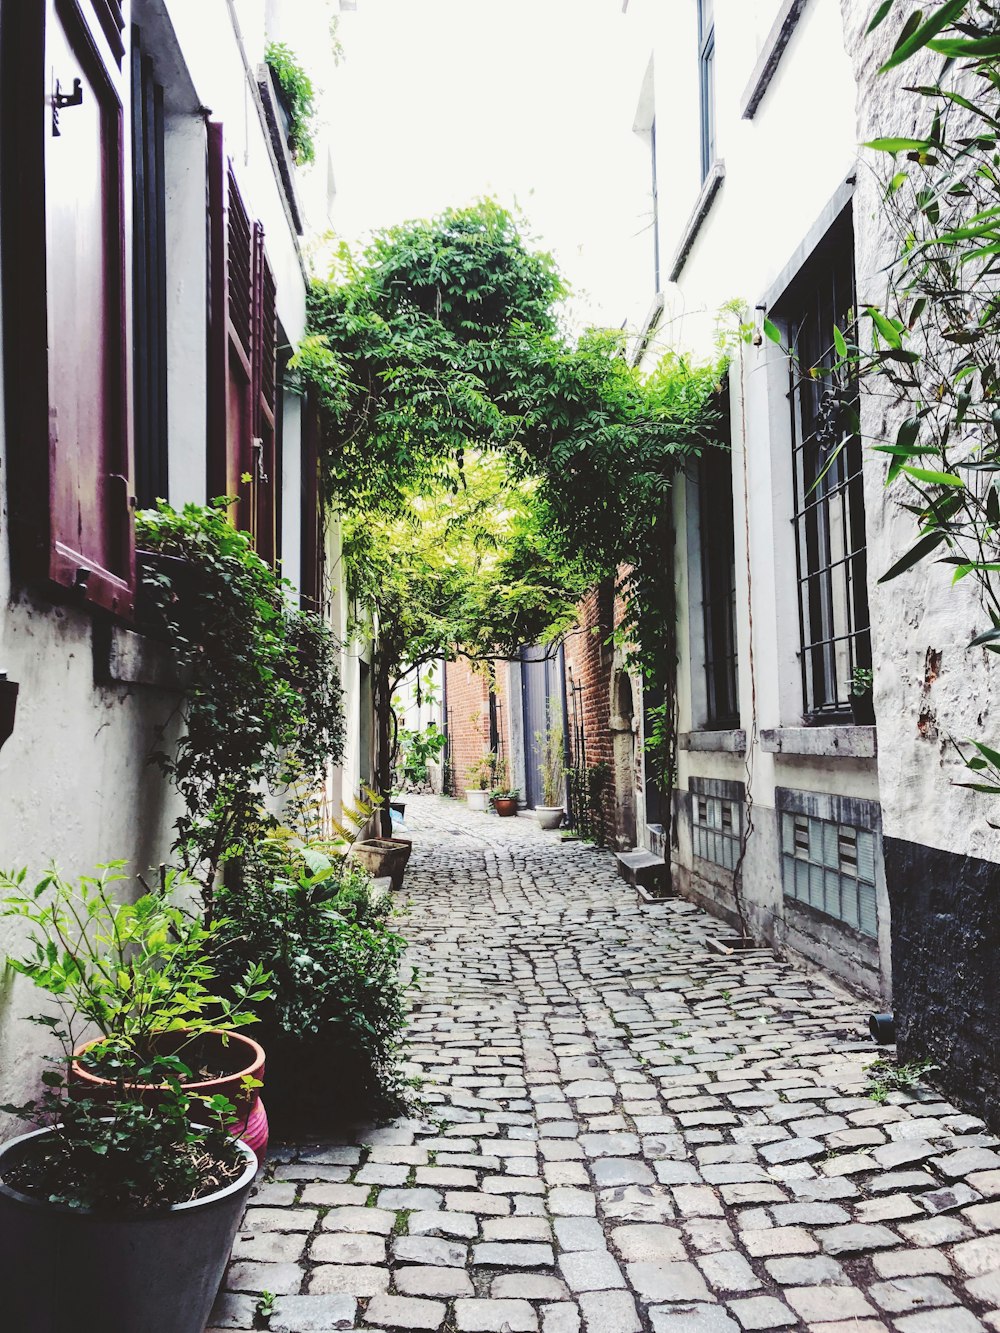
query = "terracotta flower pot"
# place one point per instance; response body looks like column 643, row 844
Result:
column 71, row 1268
column 238, row 1057
column 505, row 806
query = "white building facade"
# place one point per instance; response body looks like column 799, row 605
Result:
column 845, row 836
column 154, row 249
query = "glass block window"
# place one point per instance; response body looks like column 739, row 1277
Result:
column 831, row 867
column 715, row 829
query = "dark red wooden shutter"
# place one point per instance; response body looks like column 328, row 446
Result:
column 264, row 472
column 64, row 270
column 230, row 340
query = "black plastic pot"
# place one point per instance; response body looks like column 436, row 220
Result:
column 863, row 709
column 154, row 1272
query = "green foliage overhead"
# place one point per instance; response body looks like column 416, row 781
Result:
column 300, row 98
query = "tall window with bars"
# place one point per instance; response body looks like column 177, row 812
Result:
column 706, row 81
column 829, row 518
column 830, row 867
column 718, row 588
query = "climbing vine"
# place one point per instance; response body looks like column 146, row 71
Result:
column 441, row 343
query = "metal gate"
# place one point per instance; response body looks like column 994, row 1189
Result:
column 544, row 705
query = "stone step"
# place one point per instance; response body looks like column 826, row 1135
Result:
column 641, row 867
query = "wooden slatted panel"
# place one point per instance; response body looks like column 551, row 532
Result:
column 239, row 265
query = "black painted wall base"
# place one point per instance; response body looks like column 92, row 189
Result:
column 946, row 969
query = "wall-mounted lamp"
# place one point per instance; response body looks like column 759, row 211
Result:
column 8, row 706
column 758, row 325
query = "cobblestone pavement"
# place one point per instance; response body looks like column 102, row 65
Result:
column 623, row 1131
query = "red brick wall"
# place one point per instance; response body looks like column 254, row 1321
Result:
column 589, row 659
column 467, row 698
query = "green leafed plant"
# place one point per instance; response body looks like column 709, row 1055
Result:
column 300, row 99
column 263, row 707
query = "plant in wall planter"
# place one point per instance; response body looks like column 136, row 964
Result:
column 504, row 801
column 120, row 1208
column 481, row 777
column 862, row 697
column 298, row 100
column 552, row 771
column 143, row 976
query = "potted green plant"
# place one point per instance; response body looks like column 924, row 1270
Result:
column 862, row 697
column 505, row 801
column 552, row 772
column 481, row 776
column 142, row 976
column 121, row 1206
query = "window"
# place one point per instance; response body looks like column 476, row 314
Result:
column 718, row 587
column 149, row 279
column 65, row 359
column 829, row 515
column 706, row 79
column 243, row 449
column 831, row 867
column 716, row 826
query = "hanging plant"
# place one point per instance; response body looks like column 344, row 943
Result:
column 299, row 97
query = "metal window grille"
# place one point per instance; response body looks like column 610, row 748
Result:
column 718, row 581
column 716, row 825
column 706, row 79
column 831, row 867
column 829, row 519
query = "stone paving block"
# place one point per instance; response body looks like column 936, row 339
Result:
column 495, row 1254
column 909, row 1263
column 562, row 1318
column 935, row 1231
column 610, row 1171
column 569, row 1202
column 816, row 1305
column 271, row 1247
column 282, row 1279
column 335, row 1196
column 352, row 1279
column 375, row 1221
column 232, row 1311
column 579, row 1233
column 762, row 1312
column 729, row 1271
column 516, row 1228
column 313, row 1314
column 902, row 1294
column 609, row 1312
column 528, row 1287
column 495, row 1316
column 421, row 1280
column 405, row 1312
column 462, row 1225
column 691, row 1319
column 347, row 1248
column 590, row 1270
column 778, row 1240
column 429, row 1250
column 279, row 1219
column 814, row 1270
column 418, row 1200
column 940, row 1321
column 857, row 1238
column 985, row 1288
column 647, row 1243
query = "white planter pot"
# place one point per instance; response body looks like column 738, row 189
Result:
column 477, row 799
column 548, row 816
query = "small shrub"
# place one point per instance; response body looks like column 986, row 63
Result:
column 300, row 97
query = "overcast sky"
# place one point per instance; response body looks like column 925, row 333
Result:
column 438, row 102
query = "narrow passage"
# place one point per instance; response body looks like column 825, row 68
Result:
column 621, row 1131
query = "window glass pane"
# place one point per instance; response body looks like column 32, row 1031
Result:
column 868, row 914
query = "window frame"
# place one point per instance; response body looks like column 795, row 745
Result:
column 706, row 86
column 834, row 624
column 717, row 552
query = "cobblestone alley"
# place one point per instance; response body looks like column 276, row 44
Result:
column 623, row 1131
